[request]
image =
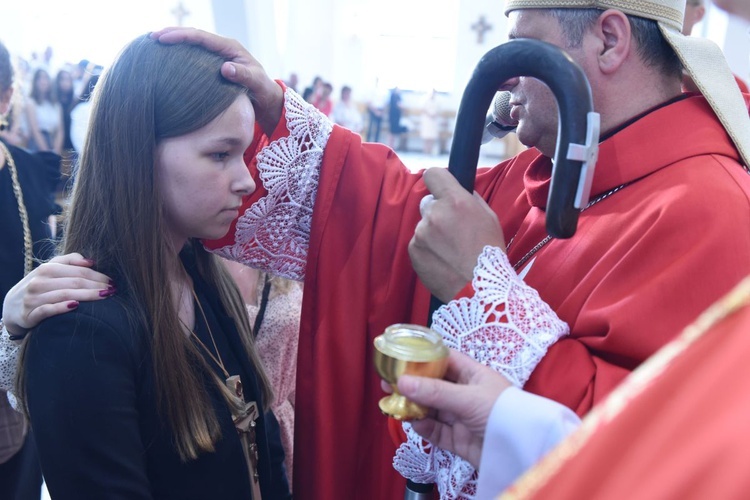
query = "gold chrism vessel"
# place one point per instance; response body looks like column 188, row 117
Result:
column 412, row 350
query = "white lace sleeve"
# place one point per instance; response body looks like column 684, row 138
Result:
column 274, row 233
column 8, row 364
column 505, row 326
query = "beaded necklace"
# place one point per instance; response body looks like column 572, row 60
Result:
column 547, row 238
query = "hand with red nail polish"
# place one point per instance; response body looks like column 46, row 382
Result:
column 53, row 288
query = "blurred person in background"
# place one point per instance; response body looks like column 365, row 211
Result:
column 274, row 305
column 311, row 93
column 429, row 123
column 292, row 81
column 44, row 115
column 80, row 76
column 66, row 97
column 695, row 10
column 395, row 123
column 345, row 112
column 376, row 104
column 79, row 116
column 12, row 127
column 323, row 100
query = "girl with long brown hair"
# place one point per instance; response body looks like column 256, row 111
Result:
column 157, row 391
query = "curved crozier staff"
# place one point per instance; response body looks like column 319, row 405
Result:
column 577, row 131
column 577, row 138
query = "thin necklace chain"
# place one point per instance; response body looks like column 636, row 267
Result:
column 547, row 238
column 23, row 214
column 243, row 418
column 217, row 359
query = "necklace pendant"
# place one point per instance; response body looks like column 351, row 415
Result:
column 244, row 422
column 234, row 384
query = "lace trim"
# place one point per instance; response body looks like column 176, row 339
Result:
column 9, row 352
column 505, row 326
column 274, row 233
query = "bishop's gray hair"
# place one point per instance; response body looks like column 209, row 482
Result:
column 651, row 45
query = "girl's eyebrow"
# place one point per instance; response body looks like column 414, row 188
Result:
column 229, row 141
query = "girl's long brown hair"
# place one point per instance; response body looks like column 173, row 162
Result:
column 152, row 92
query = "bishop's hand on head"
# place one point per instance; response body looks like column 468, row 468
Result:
column 241, row 67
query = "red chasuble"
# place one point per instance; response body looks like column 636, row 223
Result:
column 676, row 430
column 644, row 262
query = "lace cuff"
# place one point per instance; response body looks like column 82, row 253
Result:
column 9, row 351
column 274, row 233
column 505, row 326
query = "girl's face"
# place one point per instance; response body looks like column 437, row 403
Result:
column 65, row 82
column 43, row 82
column 202, row 176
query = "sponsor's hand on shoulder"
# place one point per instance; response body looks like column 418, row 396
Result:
column 55, row 287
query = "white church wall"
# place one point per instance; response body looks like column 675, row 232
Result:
column 736, row 45
column 470, row 51
column 232, row 20
column 731, row 34
column 81, row 29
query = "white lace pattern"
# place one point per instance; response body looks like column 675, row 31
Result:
column 274, row 233
column 9, row 351
column 505, row 326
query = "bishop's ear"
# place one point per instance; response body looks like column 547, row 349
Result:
column 613, row 29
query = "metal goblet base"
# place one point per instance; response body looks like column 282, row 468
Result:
column 400, row 408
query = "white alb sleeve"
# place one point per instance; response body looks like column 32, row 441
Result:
column 522, row 428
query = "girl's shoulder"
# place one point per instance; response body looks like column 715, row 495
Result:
column 111, row 321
